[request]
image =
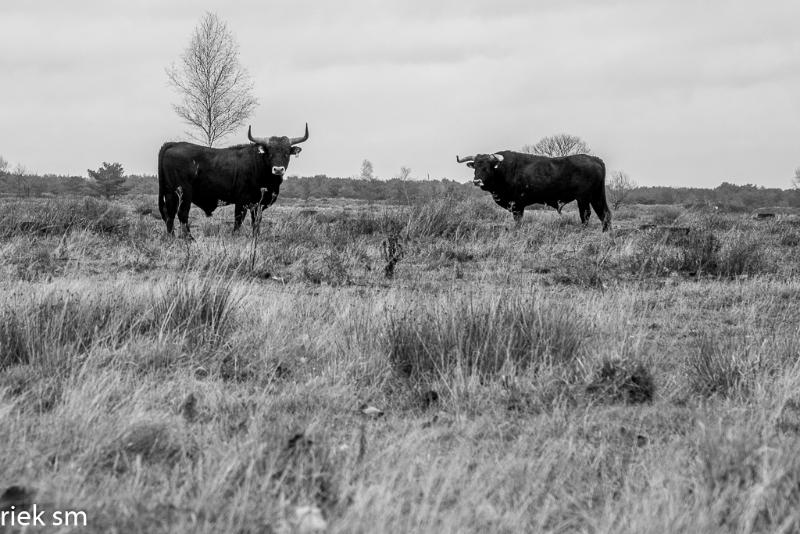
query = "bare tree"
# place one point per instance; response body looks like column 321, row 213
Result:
column 619, row 188
column 367, row 172
column 3, row 165
column 215, row 90
column 796, row 179
column 403, row 177
column 23, row 183
column 558, row 145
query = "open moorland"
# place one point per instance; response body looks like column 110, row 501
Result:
column 546, row 377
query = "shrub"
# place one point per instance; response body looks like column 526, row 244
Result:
column 740, row 254
column 665, row 214
column 147, row 208
column 329, row 267
column 441, row 217
column 148, row 441
column 622, row 381
column 790, row 239
column 659, row 253
column 699, row 252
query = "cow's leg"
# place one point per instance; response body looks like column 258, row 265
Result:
column 585, row 212
column 168, row 208
column 603, row 212
column 238, row 216
column 184, row 203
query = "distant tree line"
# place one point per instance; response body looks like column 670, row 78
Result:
column 26, row 184
column 395, row 190
column 727, row 196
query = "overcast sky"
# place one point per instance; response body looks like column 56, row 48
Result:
column 674, row 92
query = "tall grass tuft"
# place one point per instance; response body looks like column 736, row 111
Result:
column 483, row 336
column 622, row 381
column 50, row 328
column 201, row 309
column 742, row 253
column 718, row 368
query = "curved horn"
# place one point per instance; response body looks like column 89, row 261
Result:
column 465, row 159
column 258, row 140
column 298, row 140
column 497, row 157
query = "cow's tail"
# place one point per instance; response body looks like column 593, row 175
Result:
column 603, row 201
column 162, row 184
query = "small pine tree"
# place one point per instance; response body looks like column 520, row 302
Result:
column 109, row 181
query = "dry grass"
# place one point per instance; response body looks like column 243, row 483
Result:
column 540, row 378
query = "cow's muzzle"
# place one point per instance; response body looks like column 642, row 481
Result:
column 278, row 171
column 477, row 182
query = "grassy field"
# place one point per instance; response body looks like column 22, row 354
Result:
column 546, row 378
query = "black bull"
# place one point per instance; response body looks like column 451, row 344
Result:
column 247, row 176
column 516, row 180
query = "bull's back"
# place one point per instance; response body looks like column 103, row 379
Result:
column 175, row 162
column 542, row 179
column 575, row 170
column 591, row 167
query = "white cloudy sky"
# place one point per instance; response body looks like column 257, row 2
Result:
column 674, row 92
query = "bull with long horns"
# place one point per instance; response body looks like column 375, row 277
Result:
column 516, row 180
column 248, row 176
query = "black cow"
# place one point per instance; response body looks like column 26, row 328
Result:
column 244, row 175
column 516, row 180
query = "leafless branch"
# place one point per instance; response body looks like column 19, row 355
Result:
column 619, row 188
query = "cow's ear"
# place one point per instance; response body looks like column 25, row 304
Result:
column 296, row 150
column 471, row 165
column 261, row 149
